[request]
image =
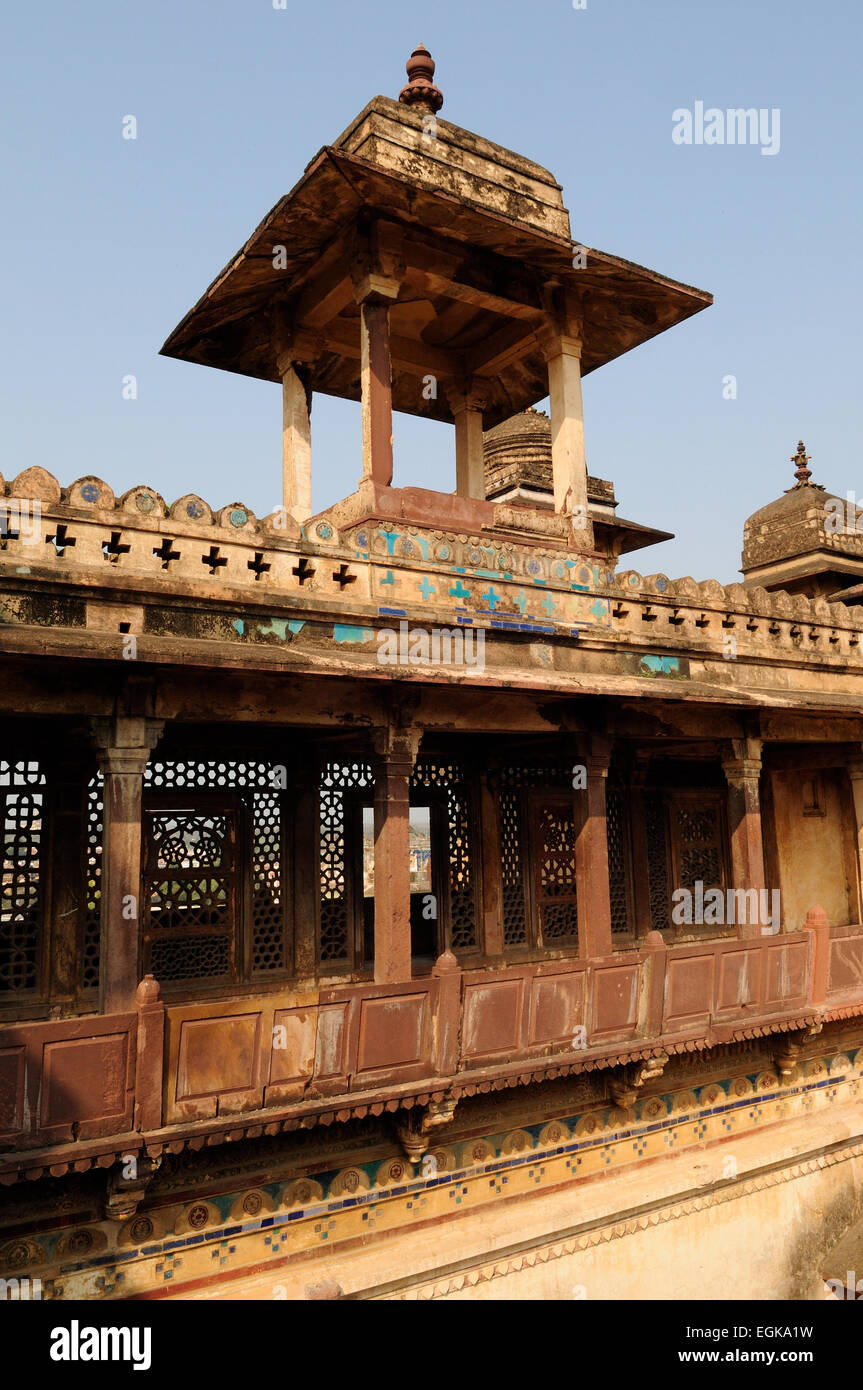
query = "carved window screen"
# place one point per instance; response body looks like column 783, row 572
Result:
column 619, row 860
column 658, row 860
column 191, row 889
column 263, row 905
column 22, row 887
column 522, row 893
column 256, row 942
column 553, row 856
column 337, row 935
column 697, row 840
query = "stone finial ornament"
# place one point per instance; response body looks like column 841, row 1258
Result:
column 421, row 93
column 801, row 458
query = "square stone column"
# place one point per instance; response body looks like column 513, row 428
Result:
column 637, row 791
column 467, row 407
column 591, row 853
column 374, row 293
column 395, row 753
column 743, row 774
column 66, row 777
column 492, row 878
column 124, row 744
column 562, row 345
column 307, row 867
column 296, row 442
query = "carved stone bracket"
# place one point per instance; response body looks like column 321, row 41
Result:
column 624, row 1088
column 786, row 1054
column 125, row 1194
column 439, row 1112
column 417, row 1125
column 411, row 1136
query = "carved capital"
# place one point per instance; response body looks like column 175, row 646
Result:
column 293, row 344
column 468, row 395
column 301, row 352
column 124, row 742
column 553, row 343
column 563, row 322
column 374, row 288
column 396, row 743
column 742, row 772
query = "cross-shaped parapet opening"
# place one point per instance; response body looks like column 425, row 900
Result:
column 112, row 549
column 214, row 560
column 60, row 540
column 304, row 570
column 165, row 552
column 342, row 576
column 7, row 531
column 259, row 566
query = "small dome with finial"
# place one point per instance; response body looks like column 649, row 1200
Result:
column 796, row 531
column 421, row 93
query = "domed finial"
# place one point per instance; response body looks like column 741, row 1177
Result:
column 801, row 458
column 421, row 93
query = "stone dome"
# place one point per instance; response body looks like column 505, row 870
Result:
column 803, row 540
column 517, row 456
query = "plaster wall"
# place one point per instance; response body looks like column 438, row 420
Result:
column 814, row 862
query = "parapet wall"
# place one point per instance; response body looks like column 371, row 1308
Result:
column 137, row 550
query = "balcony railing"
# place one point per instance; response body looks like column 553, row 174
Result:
column 85, row 1091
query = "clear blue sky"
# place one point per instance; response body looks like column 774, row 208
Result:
column 107, row 242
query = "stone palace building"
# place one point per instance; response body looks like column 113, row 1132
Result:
column 411, row 900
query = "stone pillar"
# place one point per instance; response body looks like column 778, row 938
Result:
column 377, row 269
column 446, row 1019
column 377, row 390
column 66, row 788
column 591, row 854
column 467, row 408
column 395, row 752
column 124, row 745
column 296, row 441
column 640, row 851
column 307, row 877
column 855, row 772
column 150, row 1058
column 562, row 345
column 743, row 772
column 492, row 896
